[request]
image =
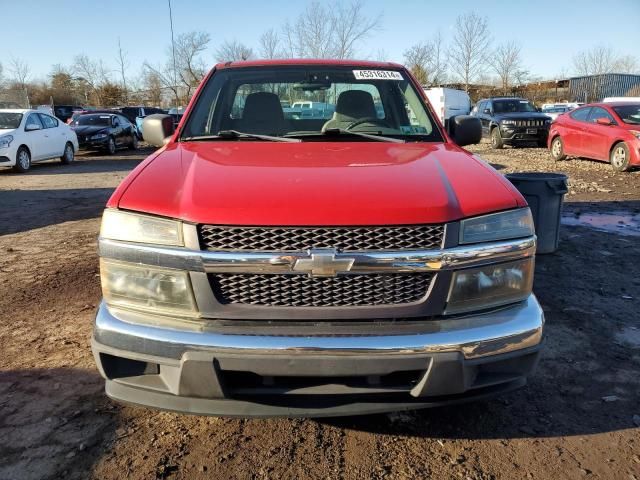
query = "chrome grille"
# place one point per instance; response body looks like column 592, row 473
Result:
column 529, row 123
column 305, row 291
column 295, row 239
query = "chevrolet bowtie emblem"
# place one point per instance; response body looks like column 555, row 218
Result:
column 323, row 263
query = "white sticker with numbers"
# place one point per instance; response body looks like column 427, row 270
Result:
column 377, row 75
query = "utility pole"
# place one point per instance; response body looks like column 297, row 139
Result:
column 173, row 51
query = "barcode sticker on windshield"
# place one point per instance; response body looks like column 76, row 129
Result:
column 377, row 75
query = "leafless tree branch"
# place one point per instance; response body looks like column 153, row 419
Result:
column 470, row 47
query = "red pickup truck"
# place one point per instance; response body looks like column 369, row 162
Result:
column 353, row 261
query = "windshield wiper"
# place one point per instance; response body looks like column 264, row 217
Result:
column 225, row 134
column 342, row 131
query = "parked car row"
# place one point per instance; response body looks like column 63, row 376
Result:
column 28, row 136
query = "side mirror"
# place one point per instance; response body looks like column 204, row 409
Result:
column 465, row 130
column 157, row 129
column 487, row 111
column 31, row 127
column 603, row 121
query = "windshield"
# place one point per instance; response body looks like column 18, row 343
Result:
column 629, row 114
column 512, row 106
column 10, row 120
column 322, row 100
column 99, row 120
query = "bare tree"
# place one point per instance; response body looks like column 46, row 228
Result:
column 382, row 55
column 328, row 31
column 164, row 76
column 20, row 71
column 232, row 50
column 439, row 64
column 270, row 44
column 627, row 64
column 602, row 59
column 122, row 64
column 189, row 68
column 351, row 25
column 595, row 61
column 92, row 73
column 417, row 58
column 153, row 87
column 470, row 47
column 310, row 35
column 427, row 62
column 505, row 62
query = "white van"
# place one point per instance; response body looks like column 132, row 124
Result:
column 448, row 102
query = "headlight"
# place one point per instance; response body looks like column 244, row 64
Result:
column 497, row 226
column 490, row 286
column 636, row 133
column 147, row 288
column 133, row 227
column 98, row 136
column 508, row 122
column 547, row 121
column 5, row 141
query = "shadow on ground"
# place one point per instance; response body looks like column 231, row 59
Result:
column 53, row 421
column 28, row 209
column 587, row 381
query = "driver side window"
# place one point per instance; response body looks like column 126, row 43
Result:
column 597, row 112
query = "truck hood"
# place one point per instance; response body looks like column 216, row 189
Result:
column 332, row 183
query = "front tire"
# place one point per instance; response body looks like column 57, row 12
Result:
column 111, row 146
column 619, row 157
column 557, row 149
column 23, row 160
column 496, row 139
column 69, row 155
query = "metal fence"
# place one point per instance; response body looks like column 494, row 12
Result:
column 594, row 88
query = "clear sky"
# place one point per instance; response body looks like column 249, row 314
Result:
column 45, row 32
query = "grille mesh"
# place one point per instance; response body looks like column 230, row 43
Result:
column 283, row 239
column 529, row 123
column 305, row 291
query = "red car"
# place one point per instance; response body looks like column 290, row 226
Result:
column 353, row 261
column 601, row 131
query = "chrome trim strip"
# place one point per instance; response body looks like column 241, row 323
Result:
column 408, row 261
column 479, row 335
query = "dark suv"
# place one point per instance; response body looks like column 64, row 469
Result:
column 511, row 121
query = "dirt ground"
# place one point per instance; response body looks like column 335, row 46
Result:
column 579, row 417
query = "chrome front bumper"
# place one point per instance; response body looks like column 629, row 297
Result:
column 499, row 331
column 186, row 369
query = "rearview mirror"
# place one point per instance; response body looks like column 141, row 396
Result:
column 157, row 129
column 465, row 130
column 603, row 121
column 31, row 127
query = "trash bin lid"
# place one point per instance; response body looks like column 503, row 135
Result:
column 536, row 176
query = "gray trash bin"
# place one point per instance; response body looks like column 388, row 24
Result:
column 544, row 193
